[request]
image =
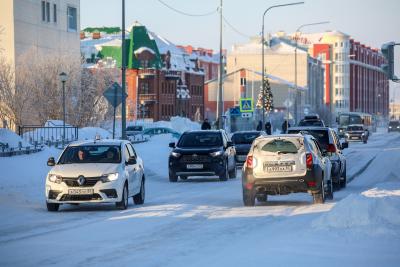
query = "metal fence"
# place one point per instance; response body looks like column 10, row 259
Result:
column 47, row 135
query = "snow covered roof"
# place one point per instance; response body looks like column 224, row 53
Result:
column 142, row 49
column 277, row 46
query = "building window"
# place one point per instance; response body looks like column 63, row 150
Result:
column 54, row 13
column 72, row 19
column 48, row 11
column 43, row 11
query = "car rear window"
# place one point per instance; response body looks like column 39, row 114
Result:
column 200, row 140
column 394, row 123
column 322, row 136
column 244, row 138
column 279, row 146
column 311, row 123
column 355, row 128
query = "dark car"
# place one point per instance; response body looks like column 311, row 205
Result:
column 331, row 147
column 202, row 153
column 311, row 120
column 356, row 132
column 242, row 142
column 394, row 126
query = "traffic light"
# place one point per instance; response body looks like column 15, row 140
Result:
column 388, row 52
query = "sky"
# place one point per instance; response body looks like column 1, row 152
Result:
column 371, row 22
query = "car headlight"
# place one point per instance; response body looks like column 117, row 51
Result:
column 346, row 134
column 390, row 127
column 175, row 154
column 217, row 153
column 55, row 178
column 109, row 177
column 340, row 130
column 398, row 127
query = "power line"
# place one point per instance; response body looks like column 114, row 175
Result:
column 234, row 29
column 188, row 14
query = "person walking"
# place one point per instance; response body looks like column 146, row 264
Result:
column 285, row 126
column 268, row 128
column 206, row 125
column 259, row 126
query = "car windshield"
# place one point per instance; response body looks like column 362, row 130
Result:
column 322, row 136
column 355, row 128
column 279, row 146
column 200, row 140
column 311, row 123
column 244, row 138
column 394, row 123
column 91, row 154
column 134, row 128
column 345, row 120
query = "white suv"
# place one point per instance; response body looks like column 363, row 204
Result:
column 283, row 164
column 97, row 171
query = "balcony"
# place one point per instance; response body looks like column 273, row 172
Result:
column 147, row 98
column 147, row 73
column 172, row 74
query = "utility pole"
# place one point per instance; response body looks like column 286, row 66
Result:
column 221, row 69
column 123, row 68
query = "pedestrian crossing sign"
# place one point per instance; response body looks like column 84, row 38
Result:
column 246, row 105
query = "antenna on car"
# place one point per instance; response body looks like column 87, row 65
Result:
column 97, row 138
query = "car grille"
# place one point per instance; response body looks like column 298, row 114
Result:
column 195, row 159
column 73, row 181
column 80, row 197
column 53, row 194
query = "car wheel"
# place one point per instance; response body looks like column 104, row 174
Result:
column 52, row 206
column 262, row 198
column 173, row 178
column 343, row 180
column 329, row 191
column 249, row 199
column 224, row 176
column 123, row 204
column 319, row 198
column 183, row 177
column 365, row 141
column 233, row 173
column 138, row 199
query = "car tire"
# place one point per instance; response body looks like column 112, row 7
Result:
column 52, row 206
column 123, row 204
column 343, row 180
column 183, row 177
column 249, row 199
column 138, row 199
column 225, row 175
column 319, row 198
column 329, row 192
column 262, row 198
column 173, row 178
column 365, row 141
column 233, row 172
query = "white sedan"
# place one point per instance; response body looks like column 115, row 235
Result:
column 96, row 171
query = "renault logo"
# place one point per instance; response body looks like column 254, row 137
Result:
column 81, row 180
column 194, row 155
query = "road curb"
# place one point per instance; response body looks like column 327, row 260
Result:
column 361, row 170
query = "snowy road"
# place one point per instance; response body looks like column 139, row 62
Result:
column 203, row 222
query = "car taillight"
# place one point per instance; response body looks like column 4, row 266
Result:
column 331, row 148
column 250, row 162
column 309, row 161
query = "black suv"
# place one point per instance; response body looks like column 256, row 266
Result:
column 394, row 126
column 331, row 147
column 242, row 142
column 311, row 120
column 202, row 153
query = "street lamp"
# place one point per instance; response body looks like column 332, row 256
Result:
column 63, row 78
column 262, row 52
column 295, row 63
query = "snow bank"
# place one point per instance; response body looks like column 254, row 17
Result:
column 375, row 211
column 178, row 124
column 91, row 132
column 11, row 138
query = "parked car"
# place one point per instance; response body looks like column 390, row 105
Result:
column 161, row 130
column 311, row 120
column 134, row 130
column 96, row 171
column 331, row 147
column 283, row 164
column 356, row 132
column 242, row 142
column 202, row 153
column 394, row 126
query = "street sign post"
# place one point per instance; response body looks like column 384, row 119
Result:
column 234, row 111
column 246, row 105
column 114, row 95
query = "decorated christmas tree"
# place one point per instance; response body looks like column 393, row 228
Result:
column 266, row 93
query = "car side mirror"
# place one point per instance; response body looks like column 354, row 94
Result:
column 229, row 143
column 171, row 145
column 51, row 162
column 131, row 161
column 345, row 145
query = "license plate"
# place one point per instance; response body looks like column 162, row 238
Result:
column 279, row 168
column 355, row 137
column 194, row 166
column 80, row 191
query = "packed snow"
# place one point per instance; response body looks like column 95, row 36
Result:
column 12, row 139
